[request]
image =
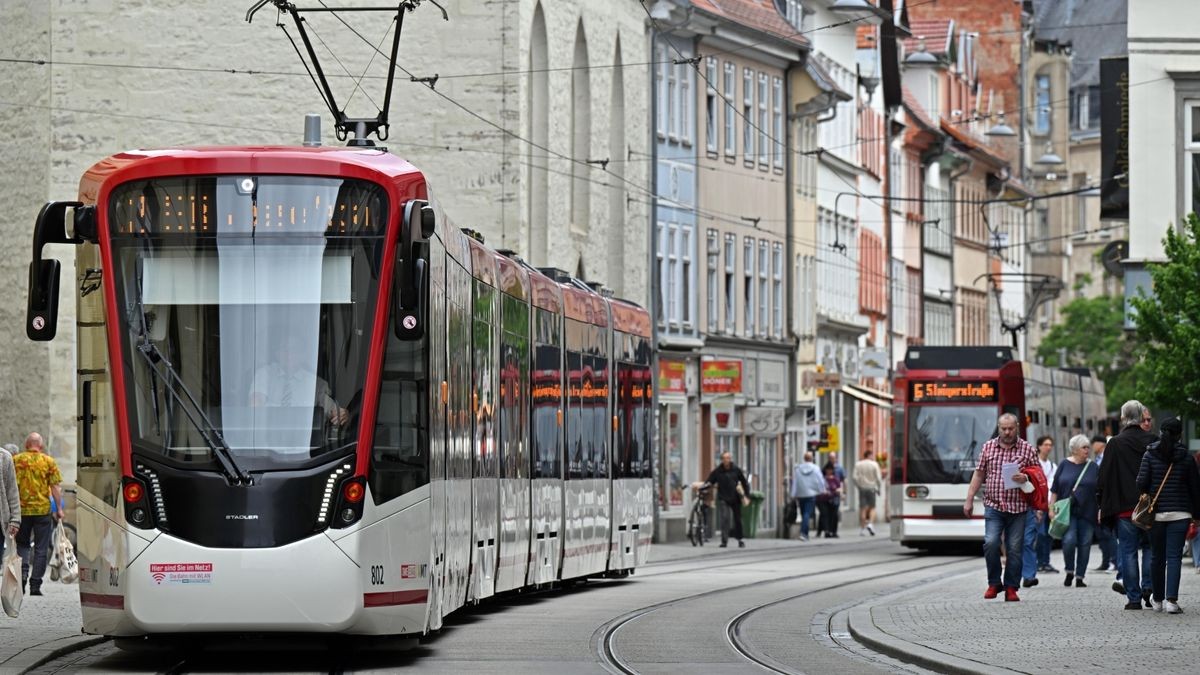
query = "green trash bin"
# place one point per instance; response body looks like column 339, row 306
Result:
column 750, row 514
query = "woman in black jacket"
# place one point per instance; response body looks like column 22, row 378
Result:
column 1178, row 503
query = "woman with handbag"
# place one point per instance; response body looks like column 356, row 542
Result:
column 1169, row 474
column 1073, row 500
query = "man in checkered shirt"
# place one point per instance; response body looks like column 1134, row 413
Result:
column 1003, row 509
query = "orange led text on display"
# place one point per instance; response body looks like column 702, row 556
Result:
column 933, row 392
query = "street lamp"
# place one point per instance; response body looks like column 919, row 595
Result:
column 921, row 57
column 867, row 77
column 661, row 11
column 1000, row 129
column 1049, row 158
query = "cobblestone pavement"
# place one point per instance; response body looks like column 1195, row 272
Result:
column 47, row 624
column 1052, row 628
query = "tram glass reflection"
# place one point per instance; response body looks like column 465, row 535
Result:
column 944, row 442
column 258, row 293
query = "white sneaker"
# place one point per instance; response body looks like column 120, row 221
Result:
column 1171, row 607
column 1158, row 606
column 871, row 529
column 862, row 532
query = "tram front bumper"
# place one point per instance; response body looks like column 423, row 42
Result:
column 309, row 585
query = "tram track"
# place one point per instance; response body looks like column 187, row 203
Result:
column 732, row 559
column 606, row 636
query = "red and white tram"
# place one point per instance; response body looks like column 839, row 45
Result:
column 308, row 403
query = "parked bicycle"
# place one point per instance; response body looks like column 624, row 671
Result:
column 697, row 523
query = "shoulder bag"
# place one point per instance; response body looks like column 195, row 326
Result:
column 1060, row 510
column 1143, row 513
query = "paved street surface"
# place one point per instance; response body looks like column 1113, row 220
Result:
column 852, row 605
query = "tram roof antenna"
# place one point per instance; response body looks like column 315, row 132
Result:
column 360, row 127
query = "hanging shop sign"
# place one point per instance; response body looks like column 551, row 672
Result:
column 672, row 376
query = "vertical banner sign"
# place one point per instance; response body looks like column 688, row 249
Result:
column 721, row 377
column 1114, row 137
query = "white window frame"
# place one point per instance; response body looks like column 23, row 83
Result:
column 687, row 119
column 777, row 290
column 764, row 295
column 1083, row 108
column 687, row 281
column 730, row 110
column 777, row 121
column 764, row 141
column 1191, row 150
column 661, row 254
column 660, row 86
column 1041, row 106
column 747, row 115
column 710, row 100
column 712, row 255
column 671, row 279
column 730, row 296
column 748, row 299
column 672, row 101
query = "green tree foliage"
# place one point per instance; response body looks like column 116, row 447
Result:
column 1168, row 325
column 1091, row 332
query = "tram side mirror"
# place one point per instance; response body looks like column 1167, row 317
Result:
column 409, row 311
column 41, row 316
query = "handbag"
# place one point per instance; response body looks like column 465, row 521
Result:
column 1143, row 513
column 64, row 553
column 11, row 592
column 1060, row 510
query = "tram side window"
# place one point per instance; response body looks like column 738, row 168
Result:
column 602, row 417
column 576, row 432
column 484, row 383
column 622, row 453
column 400, row 457
column 514, row 379
column 547, row 397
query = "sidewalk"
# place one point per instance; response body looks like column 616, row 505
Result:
column 683, row 550
column 951, row 628
column 47, row 625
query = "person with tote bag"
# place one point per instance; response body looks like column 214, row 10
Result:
column 1073, row 509
column 10, row 518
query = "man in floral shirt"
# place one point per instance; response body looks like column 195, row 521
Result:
column 37, row 478
column 1004, row 508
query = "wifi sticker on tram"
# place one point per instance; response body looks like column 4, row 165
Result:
column 984, row 391
column 181, row 573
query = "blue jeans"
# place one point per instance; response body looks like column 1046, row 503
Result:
column 1012, row 527
column 1029, row 563
column 1108, row 545
column 1166, row 544
column 1131, row 538
column 1077, row 546
column 807, row 504
column 1196, row 552
column 1043, row 541
column 39, row 527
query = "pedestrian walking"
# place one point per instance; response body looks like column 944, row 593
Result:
column 1076, row 480
column 1169, row 473
column 998, row 471
column 1117, row 493
column 10, row 498
column 728, row 477
column 1105, row 538
column 829, row 503
column 37, row 479
column 1041, row 534
column 869, row 481
column 807, row 483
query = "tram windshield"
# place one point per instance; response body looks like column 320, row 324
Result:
column 944, row 442
column 253, row 298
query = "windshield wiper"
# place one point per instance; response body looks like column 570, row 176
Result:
column 173, row 383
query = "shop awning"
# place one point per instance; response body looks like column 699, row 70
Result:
column 868, row 395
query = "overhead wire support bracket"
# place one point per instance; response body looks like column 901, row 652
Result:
column 344, row 125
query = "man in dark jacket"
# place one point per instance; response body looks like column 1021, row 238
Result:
column 727, row 477
column 1118, row 493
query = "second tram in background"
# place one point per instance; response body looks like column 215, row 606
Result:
column 947, row 403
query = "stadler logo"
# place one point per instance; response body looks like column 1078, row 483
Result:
column 241, row 516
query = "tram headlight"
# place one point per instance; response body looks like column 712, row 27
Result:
column 348, row 516
column 916, row 492
column 350, row 497
column 138, row 516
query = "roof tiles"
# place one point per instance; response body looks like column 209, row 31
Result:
column 759, row 15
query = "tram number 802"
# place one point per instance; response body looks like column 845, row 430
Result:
column 376, row 575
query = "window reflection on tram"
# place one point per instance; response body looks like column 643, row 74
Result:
column 254, row 296
column 944, row 442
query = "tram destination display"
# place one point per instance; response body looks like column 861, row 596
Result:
column 984, row 391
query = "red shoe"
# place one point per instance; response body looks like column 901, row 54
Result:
column 1010, row 595
column 992, row 592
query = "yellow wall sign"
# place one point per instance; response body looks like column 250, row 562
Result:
column 833, row 439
